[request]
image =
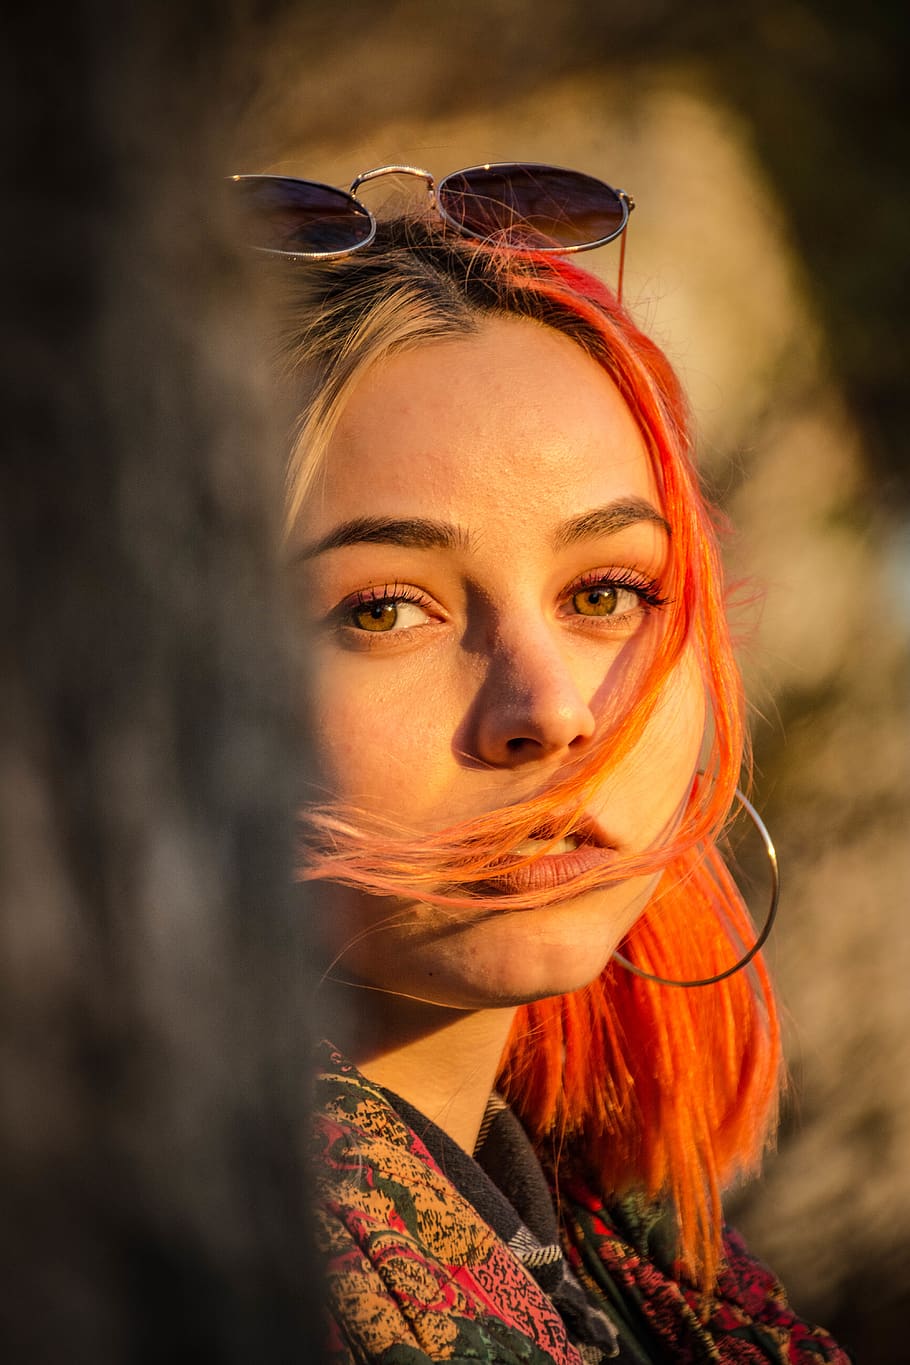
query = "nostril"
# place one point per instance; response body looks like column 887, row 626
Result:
column 517, row 744
column 580, row 740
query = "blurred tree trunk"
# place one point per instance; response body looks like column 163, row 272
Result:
column 154, row 1023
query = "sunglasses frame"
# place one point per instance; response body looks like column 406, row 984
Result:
column 434, row 191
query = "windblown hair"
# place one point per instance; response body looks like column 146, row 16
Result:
column 643, row 1087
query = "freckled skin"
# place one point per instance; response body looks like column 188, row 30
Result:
column 499, row 669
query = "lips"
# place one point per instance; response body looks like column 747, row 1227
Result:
column 561, row 859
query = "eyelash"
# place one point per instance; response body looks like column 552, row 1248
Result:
column 375, row 595
column 648, row 589
column 391, row 592
column 645, row 588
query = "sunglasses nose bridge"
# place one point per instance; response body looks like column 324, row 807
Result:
column 379, row 171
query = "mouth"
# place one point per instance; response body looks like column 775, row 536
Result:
column 553, row 839
column 547, row 847
column 556, row 859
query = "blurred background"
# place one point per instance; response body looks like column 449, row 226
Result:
column 154, row 1019
column 763, row 143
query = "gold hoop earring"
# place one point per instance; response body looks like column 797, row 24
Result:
column 766, row 927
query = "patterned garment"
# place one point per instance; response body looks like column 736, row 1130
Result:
column 427, row 1259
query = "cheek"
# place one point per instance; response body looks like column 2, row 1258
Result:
column 682, row 711
column 663, row 763
column 379, row 741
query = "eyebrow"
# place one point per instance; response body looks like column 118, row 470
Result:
column 413, row 533
column 608, row 521
column 421, row 533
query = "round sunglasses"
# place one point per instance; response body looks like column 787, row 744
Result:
column 511, row 203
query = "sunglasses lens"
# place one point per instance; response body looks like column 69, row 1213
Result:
column 300, row 217
column 532, row 206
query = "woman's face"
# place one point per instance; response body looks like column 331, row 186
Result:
column 484, row 566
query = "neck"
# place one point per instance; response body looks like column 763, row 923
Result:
column 442, row 1061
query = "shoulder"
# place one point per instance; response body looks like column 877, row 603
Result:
column 749, row 1295
column 622, row 1251
column 411, row 1271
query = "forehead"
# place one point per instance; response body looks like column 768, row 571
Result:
column 513, row 415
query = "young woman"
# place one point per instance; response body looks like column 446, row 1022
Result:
column 527, row 735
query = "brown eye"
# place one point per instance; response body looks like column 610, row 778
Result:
column 376, row 616
column 596, row 601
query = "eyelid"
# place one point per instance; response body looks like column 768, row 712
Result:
column 641, row 584
column 634, row 580
column 407, row 594
column 385, row 592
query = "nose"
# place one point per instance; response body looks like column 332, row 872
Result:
column 530, row 706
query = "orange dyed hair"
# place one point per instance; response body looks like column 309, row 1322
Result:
column 639, row 1086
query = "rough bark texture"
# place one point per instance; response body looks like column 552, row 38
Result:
column 152, row 994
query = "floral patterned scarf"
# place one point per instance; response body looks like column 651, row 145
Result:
column 429, row 1257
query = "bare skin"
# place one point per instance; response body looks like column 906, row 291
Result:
column 444, row 1062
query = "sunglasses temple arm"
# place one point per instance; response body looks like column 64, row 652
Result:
column 622, row 266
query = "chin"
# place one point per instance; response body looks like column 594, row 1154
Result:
column 568, row 946
column 553, row 979
column 505, row 959
column 506, row 970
